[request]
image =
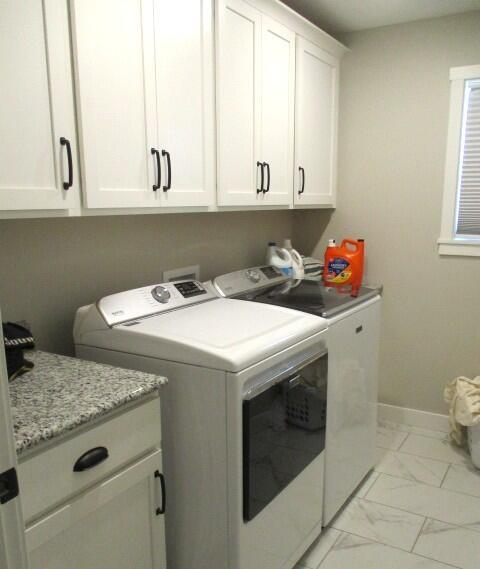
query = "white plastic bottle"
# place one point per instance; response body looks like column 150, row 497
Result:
column 280, row 259
column 298, row 270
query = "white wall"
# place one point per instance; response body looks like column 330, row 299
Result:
column 50, row 267
column 393, row 123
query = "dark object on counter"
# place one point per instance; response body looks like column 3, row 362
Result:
column 16, row 339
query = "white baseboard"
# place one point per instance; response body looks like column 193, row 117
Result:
column 414, row 417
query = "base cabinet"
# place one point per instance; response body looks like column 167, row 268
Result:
column 115, row 525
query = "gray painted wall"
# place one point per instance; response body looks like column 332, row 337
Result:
column 394, row 99
column 50, row 267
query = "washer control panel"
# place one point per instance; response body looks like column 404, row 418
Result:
column 247, row 280
column 190, row 288
column 148, row 301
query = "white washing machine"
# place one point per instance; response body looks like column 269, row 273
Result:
column 243, row 417
column 353, row 344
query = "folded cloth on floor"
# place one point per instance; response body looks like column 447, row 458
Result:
column 463, row 395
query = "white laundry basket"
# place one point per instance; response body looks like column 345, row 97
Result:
column 474, row 444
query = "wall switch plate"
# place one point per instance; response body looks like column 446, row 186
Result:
column 182, row 274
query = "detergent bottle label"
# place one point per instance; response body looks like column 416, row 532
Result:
column 339, row 270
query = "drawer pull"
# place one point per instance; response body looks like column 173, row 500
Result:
column 90, row 459
column 161, row 510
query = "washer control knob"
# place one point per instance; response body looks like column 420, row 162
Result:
column 253, row 275
column 161, row 294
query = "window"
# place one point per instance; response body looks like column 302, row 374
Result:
column 460, row 233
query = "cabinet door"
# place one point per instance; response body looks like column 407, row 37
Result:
column 114, row 525
column 36, row 102
column 114, row 53
column 315, row 125
column 185, row 100
column 278, row 91
column 238, row 103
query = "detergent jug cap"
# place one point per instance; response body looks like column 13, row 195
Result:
column 331, row 242
column 361, row 240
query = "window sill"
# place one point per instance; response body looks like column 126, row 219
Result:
column 459, row 247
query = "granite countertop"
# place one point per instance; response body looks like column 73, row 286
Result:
column 62, row 393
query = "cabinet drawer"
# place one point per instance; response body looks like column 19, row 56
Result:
column 49, row 477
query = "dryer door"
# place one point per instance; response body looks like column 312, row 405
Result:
column 283, row 432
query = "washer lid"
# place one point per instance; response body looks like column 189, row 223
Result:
column 224, row 334
column 311, row 296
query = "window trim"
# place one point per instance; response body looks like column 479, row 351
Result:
column 449, row 243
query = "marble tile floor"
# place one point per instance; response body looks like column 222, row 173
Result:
column 419, row 509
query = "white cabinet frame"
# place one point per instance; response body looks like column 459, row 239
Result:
column 12, row 538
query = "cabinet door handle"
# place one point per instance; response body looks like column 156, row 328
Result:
column 267, row 166
column 161, row 510
column 169, row 171
column 260, row 189
column 90, row 459
column 65, row 142
column 302, row 171
column 156, row 153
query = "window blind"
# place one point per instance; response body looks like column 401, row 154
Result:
column 468, row 200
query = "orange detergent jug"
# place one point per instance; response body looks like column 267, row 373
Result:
column 344, row 264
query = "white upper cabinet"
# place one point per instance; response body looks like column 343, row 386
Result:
column 239, row 32
column 114, row 51
column 278, row 92
column 185, row 101
column 158, row 104
column 145, row 95
column 38, row 167
column 255, row 107
column 316, row 109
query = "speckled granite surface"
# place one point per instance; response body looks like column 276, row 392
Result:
column 62, row 393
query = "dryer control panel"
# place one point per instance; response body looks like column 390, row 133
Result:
column 247, row 280
column 150, row 300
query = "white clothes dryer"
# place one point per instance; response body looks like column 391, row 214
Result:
column 243, row 417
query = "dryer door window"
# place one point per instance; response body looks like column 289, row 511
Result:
column 283, row 432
